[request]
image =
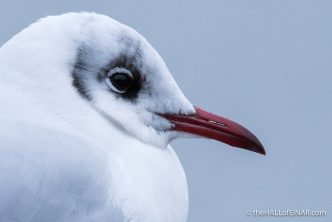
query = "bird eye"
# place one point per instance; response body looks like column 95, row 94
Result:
column 119, row 80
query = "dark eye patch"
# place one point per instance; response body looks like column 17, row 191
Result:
column 84, row 72
column 131, row 64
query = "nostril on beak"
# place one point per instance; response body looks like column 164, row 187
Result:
column 217, row 123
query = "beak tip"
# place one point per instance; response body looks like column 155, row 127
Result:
column 262, row 151
column 259, row 149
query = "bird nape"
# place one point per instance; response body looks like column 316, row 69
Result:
column 86, row 133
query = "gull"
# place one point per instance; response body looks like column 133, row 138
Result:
column 88, row 109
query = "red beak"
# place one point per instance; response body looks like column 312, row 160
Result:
column 209, row 125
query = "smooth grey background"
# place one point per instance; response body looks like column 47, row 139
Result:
column 265, row 64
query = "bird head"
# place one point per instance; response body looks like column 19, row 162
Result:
column 118, row 73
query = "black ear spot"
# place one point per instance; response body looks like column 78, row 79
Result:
column 79, row 72
column 81, row 88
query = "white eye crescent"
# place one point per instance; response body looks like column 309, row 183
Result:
column 119, row 80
